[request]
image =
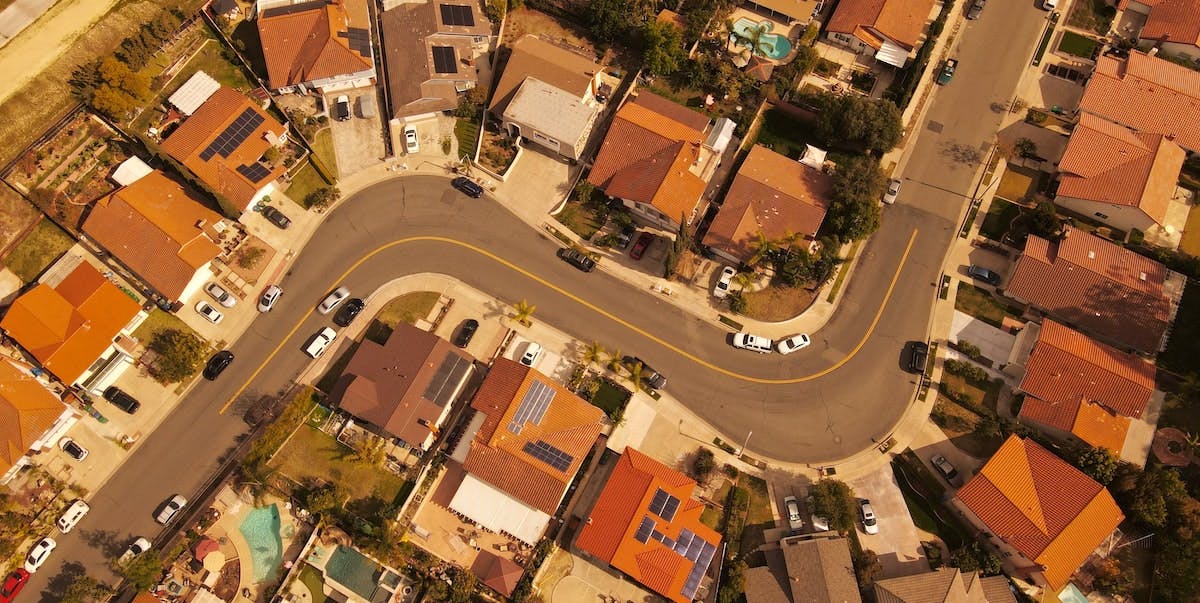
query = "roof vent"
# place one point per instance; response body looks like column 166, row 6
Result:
column 201, row 223
column 1142, row 275
column 1091, row 254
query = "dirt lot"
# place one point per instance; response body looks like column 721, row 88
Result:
column 525, row 21
column 16, row 215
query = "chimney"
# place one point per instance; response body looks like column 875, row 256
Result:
column 201, row 223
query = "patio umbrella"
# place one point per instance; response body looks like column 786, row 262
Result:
column 214, row 561
column 204, row 547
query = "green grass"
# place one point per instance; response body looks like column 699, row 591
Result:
column 581, row 219
column 921, row 499
column 312, row 578
column 759, row 516
column 783, row 134
column 1075, row 44
column 467, row 133
column 322, row 145
column 157, row 322
column 307, row 180
column 408, row 308
column 1183, row 348
column 843, row 270
column 610, row 398
column 980, row 304
column 1045, row 42
column 712, row 516
column 40, row 248
column 312, row 453
column 999, row 216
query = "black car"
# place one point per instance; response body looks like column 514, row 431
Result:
column 468, row 187
column 577, row 259
column 983, row 274
column 121, row 400
column 466, row 332
column 976, row 9
column 652, row 378
column 625, row 237
column 217, row 364
column 918, row 357
column 276, row 217
column 349, row 311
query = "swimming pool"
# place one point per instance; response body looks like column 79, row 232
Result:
column 260, row 528
column 774, row 45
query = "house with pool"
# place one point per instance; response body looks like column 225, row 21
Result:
column 892, row 30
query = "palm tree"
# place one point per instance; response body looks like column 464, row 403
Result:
column 744, row 279
column 592, row 354
column 614, row 361
column 752, row 39
column 635, row 376
column 522, row 310
column 762, row 246
column 1189, row 388
column 256, row 477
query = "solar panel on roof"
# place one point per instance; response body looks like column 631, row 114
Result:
column 445, row 381
column 443, row 59
column 455, row 14
column 548, row 454
column 693, row 580
column 255, row 172
column 664, row 505
column 233, row 135
column 532, row 407
column 644, row 530
column 358, row 39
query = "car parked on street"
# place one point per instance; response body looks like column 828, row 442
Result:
column 222, row 296
column 721, row 290
column 867, row 514
column 269, row 297
column 980, row 273
column 918, row 357
column 320, row 342
column 467, row 187
column 793, row 343
column 209, row 313
column 411, row 144
column 332, row 300
column 754, row 343
column 73, row 449
column 349, row 312
column 171, row 509
column 466, row 332
column 792, row 506
column 976, row 9
column 13, row 583
column 276, row 217
column 893, row 191
column 533, row 351
column 39, row 554
column 945, row 468
column 139, row 546
column 67, row 521
column 947, row 72
column 217, row 364
column 639, row 247
column 117, row 397
column 652, row 378
column 577, row 259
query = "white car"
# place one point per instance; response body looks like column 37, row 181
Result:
column 410, row 140
column 317, row 346
column 73, row 449
column 212, row 314
column 269, row 297
column 139, row 546
column 1049, row 4
column 723, row 283
column 72, row 515
column 793, row 343
column 792, row 506
column 867, row 513
column 222, row 296
column 819, row 522
column 893, row 191
column 533, row 351
column 39, row 553
column 169, row 510
column 754, row 343
column 332, row 300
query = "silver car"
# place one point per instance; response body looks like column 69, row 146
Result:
column 893, row 191
column 269, row 297
column 332, row 300
column 170, row 510
column 222, row 296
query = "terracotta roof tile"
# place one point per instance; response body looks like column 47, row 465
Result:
column 67, row 327
column 411, row 30
column 560, row 67
column 500, row 574
column 902, row 21
column 311, row 41
column 27, row 410
column 158, row 229
column 1097, row 286
column 1173, row 21
column 1148, row 94
column 1100, row 427
column 1042, row 506
column 497, row 453
column 1108, row 163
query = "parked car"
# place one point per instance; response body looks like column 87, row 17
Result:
column 980, row 273
column 793, row 343
column 117, row 397
column 820, row 523
column 867, row 513
column 332, row 300
column 945, row 468
column 410, row 140
column 320, row 342
column 1049, row 4
column 533, row 351
column 893, row 191
column 13, row 583
column 652, row 378
column 976, row 9
column 210, row 313
column 139, row 546
column 792, row 506
column 39, row 553
column 639, row 247
column 341, row 108
column 947, row 72
column 276, row 217
column 217, row 364
column 73, row 449
column 754, row 343
column 349, row 312
column 466, row 331
column 67, row 521
column 625, row 237
column 270, row 295
column 918, row 357
column 170, row 510
column 467, row 187
column 721, row 290
column 222, row 296
column 577, row 259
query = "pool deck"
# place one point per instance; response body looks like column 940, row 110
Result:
column 792, row 33
column 234, row 508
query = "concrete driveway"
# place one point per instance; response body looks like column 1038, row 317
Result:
column 535, row 184
column 898, row 543
column 357, row 142
column 992, row 342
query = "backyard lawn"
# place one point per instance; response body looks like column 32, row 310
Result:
column 322, row 145
column 782, row 133
column 1018, row 183
column 758, row 517
column 1075, row 44
column 312, row 453
column 1182, row 355
column 44, row 244
column 611, row 398
column 307, row 180
column 980, row 304
column 999, row 217
column 711, row 516
column 960, row 424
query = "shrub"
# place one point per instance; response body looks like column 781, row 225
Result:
column 703, row 465
column 179, row 355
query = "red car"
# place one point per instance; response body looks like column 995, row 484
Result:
column 639, row 247
column 13, row 583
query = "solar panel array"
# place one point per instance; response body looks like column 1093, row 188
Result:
column 644, row 530
column 548, row 454
column 664, row 505
column 358, row 39
column 255, row 172
column 445, row 381
column 443, row 59
column 533, row 406
column 454, row 14
column 703, row 558
column 233, row 135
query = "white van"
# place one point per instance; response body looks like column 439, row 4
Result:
column 72, row 515
column 754, row 343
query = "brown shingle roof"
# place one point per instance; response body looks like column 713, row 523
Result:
column 1042, row 506
column 534, row 57
column 946, row 585
column 820, row 570
column 312, row 41
column 497, row 454
column 1173, row 21
column 1108, row 163
column 27, row 410
column 1097, row 286
column 500, row 574
column 67, row 327
column 157, row 229
column 410, row 32
column 902, row 21
column 194, row 135
column 1148, row 94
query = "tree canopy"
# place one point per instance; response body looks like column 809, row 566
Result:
column 662, row 48
column 858, row 185
column 851, row 120
column 179, row 355
column 834, row 500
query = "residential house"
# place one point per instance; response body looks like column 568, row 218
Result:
column 773, row 196
column 945, row 585
column 805, row 569
column 1098, row 287
column 224, row 142
column 32, row 418
column 891, row 29
column 429, row 53
column 547, row 95
column 530, row 442
column 1123, row 178
column 789, row 11
column 656, row 161
column 1044, row 515
column 405, row 387
column 646, row 524
column 322, row 45
column 1148, row 94
column 160, row 232
column 1171, row 26
column 1077, row 386
column 76, row 324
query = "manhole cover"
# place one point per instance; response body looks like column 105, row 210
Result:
column 935, row 126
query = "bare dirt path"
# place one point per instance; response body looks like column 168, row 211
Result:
column 45, row 40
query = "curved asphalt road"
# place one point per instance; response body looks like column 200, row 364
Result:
column 809, row 419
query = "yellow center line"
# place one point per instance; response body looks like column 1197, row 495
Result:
column 870, row 329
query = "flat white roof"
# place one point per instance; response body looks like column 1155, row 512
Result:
column 497, row 511
column 194, row 92
column 556, row 113
column 131, row 170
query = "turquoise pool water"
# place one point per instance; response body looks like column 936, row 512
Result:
column 775, row 45
column 261, row 531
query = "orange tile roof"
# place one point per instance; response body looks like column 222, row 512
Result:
column 1101, row 427
column 1173, row 21
column 497, row 454
column 902, row 21
column 157, row 229
column 67, row 327
column 27, row 410
column 771, row 194
column 310, row 42
column 193, row 136
column 1148, row 94
column 1109, row 163
column 1097, row 286
column 610, row 528
column 1042, row 506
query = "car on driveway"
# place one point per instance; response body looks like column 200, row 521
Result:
column 411, row 144
column 466, row 332
column 117, row 397
column 341, row 108
column 721, row 290
column 13, row 583
column 976, row 9
column 332, row 300
column 625, row 237
column 269, row 297
column 171, row 509
column 577, row 259
column 946, row 469
column 467, row 187
column 754, row 343
column 980, row 273
column 73, row 449
column 792, row 507
column 39, row 553
column 947, row 72
column 652, row 378
column 349, row 312
column 893, row 191
column 276, row 217
column 639, row 247
column 533, row 351
column 139, row 546
column 793, row 343
column 217, row 364
column 210, row 313
column 222, row 296
column 867, row 514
